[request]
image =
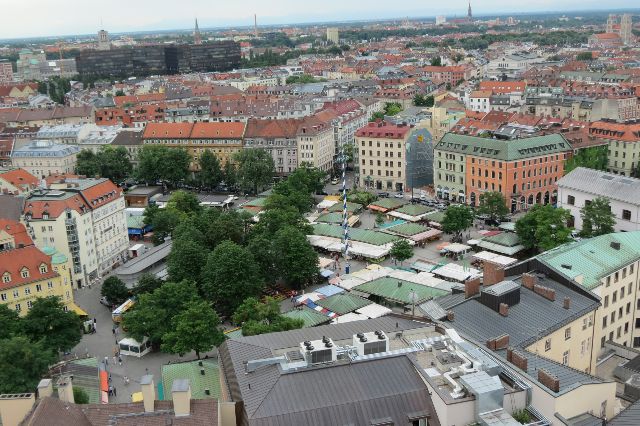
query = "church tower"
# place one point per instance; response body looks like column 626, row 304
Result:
column 469, row 14
column 197, row 38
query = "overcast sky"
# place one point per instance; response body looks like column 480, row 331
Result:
column 30, row 18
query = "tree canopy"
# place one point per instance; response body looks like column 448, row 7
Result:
column 263, row 317
column 596, row 157
column 255, row 169
column 296, row 260
column 210, row 174
column 401, row 250
column 114, row 290
column 457, row 218
column 161, row 163
column 544, row 227
column 110, row 162
column 597, row 218
column 493, row 204
column 48, row 323
column 23, row 362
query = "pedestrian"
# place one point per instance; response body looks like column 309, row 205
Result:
column 109, row 379
column 94, row 321
column 110, row 390
column 114, row 360
column 115, row 393
column 106, row 360
column 120, row 360
column 113, row 330
column 146, row 369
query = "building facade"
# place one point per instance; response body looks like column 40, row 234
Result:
column 279, row 137
column 45, row 158
column 624, row 146
column 315, row 143
column 6, row 71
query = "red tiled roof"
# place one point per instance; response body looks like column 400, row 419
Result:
column 218, row 130
column 616, row 131
column 54, row 208
column 271, row 128
column 30, row 257
column 19, row 178
column 17, row 231
column 101, row 194
column 167, row 130
column 383, row 130
column 501, row 87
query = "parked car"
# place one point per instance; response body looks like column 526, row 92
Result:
column 415, row 200
column 334, row 181
column 383, row 194
column 398, row 195
column 105, row 302
column 440, row 206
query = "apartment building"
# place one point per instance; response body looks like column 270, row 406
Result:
column 45, row 158
column 316, row 143
column 84, row 219
column 582, row 185
column 382, row 156
column 525, row 170
column 222, row 139
column 606, row 266
column 279, row 137
column 6, row 71
column 17, row 181
column 624, row 145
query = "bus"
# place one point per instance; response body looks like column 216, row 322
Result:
column 117, row 314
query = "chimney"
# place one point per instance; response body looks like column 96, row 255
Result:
column 450, row 316
column 15, row 407
column 546, row 292
column 549, row 380
column 65, row 389
column 493, row 274
column 181, row 395
column 504, row 309
column 529, row 280
column 567, row 302
column 471, row 287
column 45, row 388
column 148, row 392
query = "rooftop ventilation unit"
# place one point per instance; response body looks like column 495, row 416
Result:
column 318, row 351
column 371, row 343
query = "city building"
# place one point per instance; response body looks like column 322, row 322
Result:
column 525, row 170
column 316, row 143
column 49, row 116
column 333, row 35
column 279, row 137
column 582, row 185
column 6, row 71
column 222, row 139
column 43, row 158
column 131, row 140
column 624, row 145
column 35, row 66
column 17, row 181
column 103, row 40
column 158, row 59
column 606, row 266
column 621, row 26
column 83, row 219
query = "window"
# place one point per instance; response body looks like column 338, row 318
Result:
column 606, row 301
column 18, row 307
column 29, row 304
column 547, row 345
column 6, row 278
column 24, row 273
column 27, row 291
column 567, row 333
column 616, row 277
column 619, row 332
column 565, row 358
column 615, row 295
column 604, row 322
column 613, row 317
column 628, row 307
column 3, row 297
column 571, row 200
column 43, row 269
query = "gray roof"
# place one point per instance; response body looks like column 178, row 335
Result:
column 598, row 183
column 128, row 137
column 336, row 394
column 11, row 206
column 628, row 417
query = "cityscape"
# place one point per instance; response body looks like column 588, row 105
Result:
column 264, row 214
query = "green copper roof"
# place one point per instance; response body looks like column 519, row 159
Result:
column 414, row 209
column 590, row 260
column 507, row 239
column 388, row 203
column 49, row 251
column 351, row 207
column 388, row 288
column 198, row 382
column 408, row 229
column 330, row 218
column 58, row 259
column 501, row 149
column 310, row 317
column 355, row 234
column 343, row 303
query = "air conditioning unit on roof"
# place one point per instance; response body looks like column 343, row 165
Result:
column 318, row 351
column 371, row 343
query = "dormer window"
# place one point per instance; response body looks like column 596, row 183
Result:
column 43, row 269
column 24, row 273
column 6, row 277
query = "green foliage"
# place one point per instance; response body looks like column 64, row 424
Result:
column 436, row 62
column 305, row 78
column 255, row 169
column 23, row 363
column 379, row 219
column 230, row 276
column 522, row 416
column 184, row 202
column 259, row 318
column 153, row 313
column 80, row 396
column 230, row 173
column 210, row 174
column 401, row 250
column 422, row 100
column 493, row 204
column 186, row 259
column 596, row 157
column 9, row 322
column 597, row 218
column 47, row 322
column 229, row 226
column 114, row 163
column 55, row 87
column 114, row 290
column 361, row 197
column 584, row 56
column 120, row 93
column 161, row 163
column 296, row 260
column 87, row 163
column 457, row 218
column 392, row 108
column 163, row 222
column 194, row 329
column 544, row 227
column 296, row 190
column 147, row 283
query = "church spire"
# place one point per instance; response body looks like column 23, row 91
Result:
column 197, row 39
column 469, row 14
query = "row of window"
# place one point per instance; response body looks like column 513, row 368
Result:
column 27, row 291
column 612, row 317
column 387, row 173
column 24, row 273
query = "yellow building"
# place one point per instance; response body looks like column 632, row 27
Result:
column 28, row 273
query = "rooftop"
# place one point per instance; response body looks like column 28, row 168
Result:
column 603, row 184
column 399, row 290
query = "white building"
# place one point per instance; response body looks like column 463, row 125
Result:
column 44, row 158
column 83, row 219
column 316, row 143
column 583, row 185
column 333, row 35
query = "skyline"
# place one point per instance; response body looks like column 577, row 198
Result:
column 136, row 17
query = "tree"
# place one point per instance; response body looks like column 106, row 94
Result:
column 494, row 205
column 271, row 220
column 596, row 157
column 186, row 259
column 80, row 396
column 161, row 163
column 255, row 168
column 379, row 219
column 261, row 247
column 401, row 250
column 49, row 323
column 422, row 100
column 114, row 290
column 210, row 174
column 436, row 62
column 225, row 226
column 163, row 222
column 392, row 108
column 457, row 218
column 230, row 174
column 120, row 93
column 296, row 260
column 147, row 283
column 22, row 364
column 259, row 318
column 230, row 276
column 584, row 56
column 114, row 163
column 361, row 197
column 87, row 163
column 152, row 315
column 9, row 322
column 184, row 202
column 597, row 218
column 194, row 329
column 544, row 227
